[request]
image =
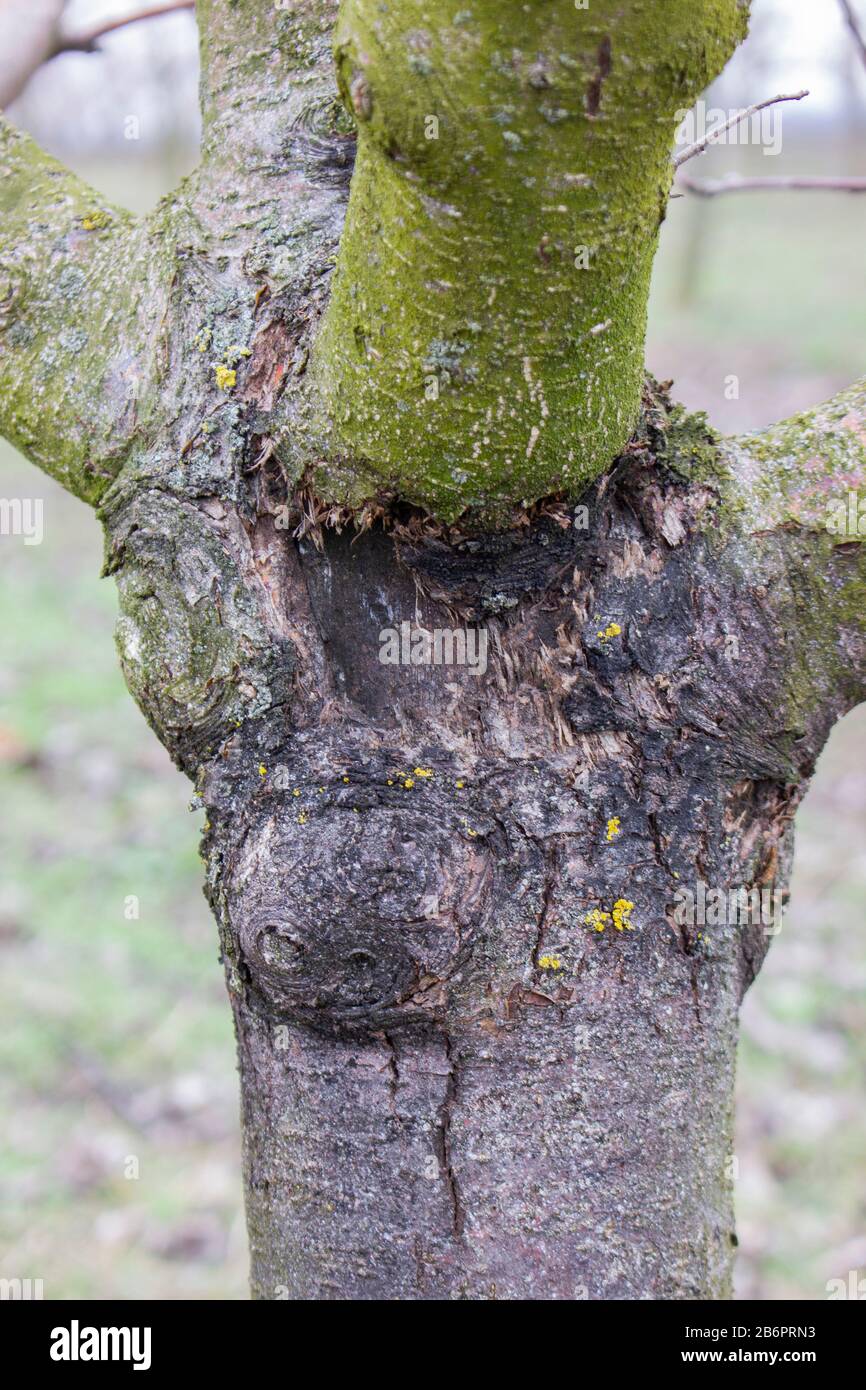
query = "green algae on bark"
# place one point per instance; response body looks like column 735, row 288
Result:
column 484, row 338
column 78, row 313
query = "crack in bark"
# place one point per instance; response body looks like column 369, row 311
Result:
column 548, row 889
column 444, row 1142
column 393, row 1069
column 605, row 63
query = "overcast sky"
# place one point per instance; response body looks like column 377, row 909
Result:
column 149, row 70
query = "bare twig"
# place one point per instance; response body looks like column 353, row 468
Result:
column 718, row 131
column 711, row 188
column 86, row 42
column 854, row 25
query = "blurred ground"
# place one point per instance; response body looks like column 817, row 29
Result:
column 117, row 1043
column 768, row 288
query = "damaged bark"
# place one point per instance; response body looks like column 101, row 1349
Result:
column 455, row 1085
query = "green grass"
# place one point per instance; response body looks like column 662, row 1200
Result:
column 117, row 1037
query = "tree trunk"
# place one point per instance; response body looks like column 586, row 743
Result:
column 455, row 1085
column 486, row 1030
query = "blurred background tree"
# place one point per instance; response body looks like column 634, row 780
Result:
column 119, row 1166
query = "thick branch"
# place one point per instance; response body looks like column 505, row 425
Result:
column 259, row 95
column 798, row 470
column 804, row 479
column 74, row 328
column 484, row 340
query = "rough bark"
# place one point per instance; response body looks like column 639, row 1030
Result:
column 455, row 1085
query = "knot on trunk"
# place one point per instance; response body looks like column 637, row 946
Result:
column 351, row 919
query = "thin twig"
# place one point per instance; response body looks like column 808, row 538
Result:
column 87, row 41
column 710, row 188
column 854, row 25
column 718, row 131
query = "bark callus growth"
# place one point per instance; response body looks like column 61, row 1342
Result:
column 349, row 913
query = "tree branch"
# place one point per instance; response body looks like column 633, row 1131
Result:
column 854, row 25
column 799, row 489
column 732, row 183
column 797, row 471
column 32, row 33
column 718, row 131
column 28, row 38
column 74, row 327
column 87, row 41
column 484, row 338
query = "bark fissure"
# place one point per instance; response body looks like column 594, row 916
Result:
column 445, row 1153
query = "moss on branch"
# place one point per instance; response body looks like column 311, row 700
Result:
column 73, row 337
column 484, row 339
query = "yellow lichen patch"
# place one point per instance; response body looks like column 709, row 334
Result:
column 226, row 377
column 622, row 910
column 614, row 827
column 550, row 963
column 460, row 786
column 612, row 630
column 597, row 919
column 619, row 916
column 409, row 782
column 263, row 771
column 94, row 221
column 302, row 818
column 423, row 772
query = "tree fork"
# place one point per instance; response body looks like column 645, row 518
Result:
column 454, row 1084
